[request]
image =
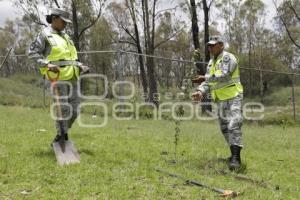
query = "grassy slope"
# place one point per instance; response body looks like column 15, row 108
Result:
column 22, row 90
column 118, row 160
column 283, row 96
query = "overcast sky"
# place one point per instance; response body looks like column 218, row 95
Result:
column 8, row 11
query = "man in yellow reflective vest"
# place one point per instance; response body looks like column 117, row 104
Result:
column 55, row 54
column 222, row 79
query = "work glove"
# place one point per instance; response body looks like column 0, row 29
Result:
column 197, row 96
column 53, row 68
column 84, row 69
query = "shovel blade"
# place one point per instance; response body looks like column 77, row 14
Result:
column 66, row 156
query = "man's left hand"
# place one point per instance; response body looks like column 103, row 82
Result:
column 197, row 96
column 84, row 69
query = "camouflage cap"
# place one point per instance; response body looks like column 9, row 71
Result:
column 64, row 15
column 215, row 39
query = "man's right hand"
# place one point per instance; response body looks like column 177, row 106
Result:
column 198, row 79
column 53, row 68
column 197, row 96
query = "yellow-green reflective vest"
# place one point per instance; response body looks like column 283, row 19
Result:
column 62, row 49
column 228, row 89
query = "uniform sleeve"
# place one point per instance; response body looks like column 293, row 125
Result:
column 204, row 87
column 228, row 66
column 37, row 50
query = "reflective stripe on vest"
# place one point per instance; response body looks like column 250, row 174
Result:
column 63, row 53
column 228, row 83
column 66, row 62
column 226, row 89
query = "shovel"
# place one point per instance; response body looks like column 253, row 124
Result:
column 65, row 151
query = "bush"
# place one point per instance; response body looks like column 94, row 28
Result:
column 282, row 96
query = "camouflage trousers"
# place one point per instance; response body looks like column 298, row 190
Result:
column 230, row 120
column 68, row 102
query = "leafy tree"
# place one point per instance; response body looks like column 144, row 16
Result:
column 146, row 18
column 84, row 14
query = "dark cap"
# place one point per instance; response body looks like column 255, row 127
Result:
column 64, row 15
column 215, row 39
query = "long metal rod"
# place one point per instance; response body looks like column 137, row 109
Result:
column 44, row 90
column 220, row 191
column 243, row 178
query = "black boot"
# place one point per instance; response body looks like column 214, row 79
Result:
column 57, row 138
column 235, row 161
column 66, row 137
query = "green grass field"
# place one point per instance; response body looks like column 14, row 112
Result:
column 118, row 161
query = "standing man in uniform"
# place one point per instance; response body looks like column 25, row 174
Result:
column 222, row 79
column 56, row 56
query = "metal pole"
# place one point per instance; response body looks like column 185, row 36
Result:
column 221, row 192
column 293, row 98
column 6, row 56
column 120, row 69
column 44, row 90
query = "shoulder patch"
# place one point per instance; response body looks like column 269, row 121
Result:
column 226, row 58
